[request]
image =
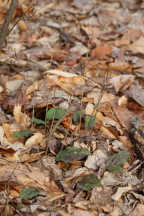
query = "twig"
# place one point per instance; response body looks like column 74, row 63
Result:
column 5, row 30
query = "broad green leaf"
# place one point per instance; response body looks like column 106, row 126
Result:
column 25, row 133
column 88, row 182
column 29, row 193
column 78, row 115
column 90, row 122
column 114, row 168
column 115, row 162
column 37, row 121
column 72, row 153
column 55, row 113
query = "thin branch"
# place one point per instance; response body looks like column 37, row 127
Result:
column 4, row 29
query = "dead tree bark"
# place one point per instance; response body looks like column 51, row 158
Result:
column 5, row 26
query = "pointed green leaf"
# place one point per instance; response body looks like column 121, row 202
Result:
column 88, row 182
column 72, row 153
column 37, row 121
column 90, row 122
column 115, row 162
column 55, row 113
column 78, row 115
column 29, row 193
column 25, row 133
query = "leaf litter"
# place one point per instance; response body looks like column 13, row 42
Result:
column 72, row 111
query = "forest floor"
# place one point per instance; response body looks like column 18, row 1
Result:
column 72, row 109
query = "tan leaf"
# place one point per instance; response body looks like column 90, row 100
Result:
column 60, row 73
column 137, row 46
column 101, row 52
column 122, row 82
column 73, row 85
column 22, row 25
column 139, row 210
column 34, row 140
column 28, row 176
column 120, row 66
column 21, row 118
column 9, row 129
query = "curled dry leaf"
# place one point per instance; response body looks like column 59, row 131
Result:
column 120, row 66
column 34, row 140
column 89, row 109
column 120, row 192
column 122, row 82
column 60, row 73
column 97, row 160
column 9, row 129
column 73, row 85
column 21, row 118
column 122, row 100
column 22, row 25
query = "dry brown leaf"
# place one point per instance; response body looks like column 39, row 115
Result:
column 137, row 46
column 122, row 100
column 22, row 25
column 105, row 131
column 28, row 176
column 32, row 88
column 124, row 116
column 27, row 157
column 89, row 109
column 60, row 73
column 129, row 37
column 73, row 85
column 21, row 118
column 120, row 66
column 9, row 129
column 136, row 92
column 120, row 192
column 34, row 140
column 96, row 160
column 101, row 197
column 102, row 52
column 138, row 211
column 122, row 82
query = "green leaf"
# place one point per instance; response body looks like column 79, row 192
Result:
column 88, row 182
column 90, row 122
column 25, row 133
column 114, row 168
column 29, row 193
column 115, row 162
column 72, row 153
column 78, row 115
column 37, row 121
column 55, row 113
